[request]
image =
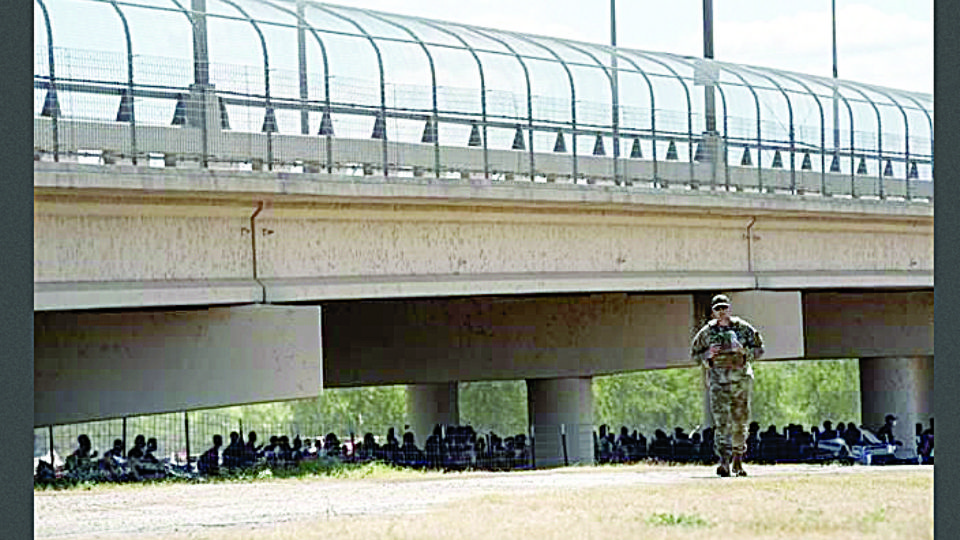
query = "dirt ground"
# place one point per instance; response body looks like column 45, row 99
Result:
column 132, row 511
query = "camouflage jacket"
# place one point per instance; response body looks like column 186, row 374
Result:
column 738, row 330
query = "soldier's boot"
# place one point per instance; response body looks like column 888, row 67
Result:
column 723, row 470
column 738, row 465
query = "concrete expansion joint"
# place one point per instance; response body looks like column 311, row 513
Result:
column 253, row 249
column 750, row 238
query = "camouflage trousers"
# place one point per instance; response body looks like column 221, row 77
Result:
column 730, row 405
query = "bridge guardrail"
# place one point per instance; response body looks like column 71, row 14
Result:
column 92, row 120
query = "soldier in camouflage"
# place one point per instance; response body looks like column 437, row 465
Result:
column 724, row 347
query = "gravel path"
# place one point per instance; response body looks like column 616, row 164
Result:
column 131, row 511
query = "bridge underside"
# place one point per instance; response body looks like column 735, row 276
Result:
column 96, row 364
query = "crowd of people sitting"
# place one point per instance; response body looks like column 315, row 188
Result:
column 461, row 448
column 447, row 448
column 791, row 445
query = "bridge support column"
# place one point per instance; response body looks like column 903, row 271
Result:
column 429, row 405
column 899, row 386
column 559, row 407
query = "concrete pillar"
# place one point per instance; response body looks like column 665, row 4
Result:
column 899, row 386
column 429, row 405
column 556, row 406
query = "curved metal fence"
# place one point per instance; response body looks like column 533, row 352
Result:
column 310, row 87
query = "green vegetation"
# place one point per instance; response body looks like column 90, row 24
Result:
column 322, row 468
column 684, row 520
column 805, row 392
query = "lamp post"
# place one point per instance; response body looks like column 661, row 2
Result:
column 616, row 87
column 709, row 98
column 836, row 107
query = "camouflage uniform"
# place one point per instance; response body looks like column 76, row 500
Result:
column 731, row 381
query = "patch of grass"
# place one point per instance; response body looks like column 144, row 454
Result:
column 818, row 504
column 310, row 469
column 683, row 520
column 877, row 516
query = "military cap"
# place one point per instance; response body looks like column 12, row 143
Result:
column 720, row 300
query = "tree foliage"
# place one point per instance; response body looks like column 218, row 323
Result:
column 805, row 392
column 498, row 406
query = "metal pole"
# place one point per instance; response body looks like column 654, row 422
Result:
column 186, row 435
column 302, row 62
column 563, row 441
column 50, row 429
column 836, row 106
column 616, row 93
column 709, row 141
column 709, row 102
column 123, row 451
column 201, row 68
column 533, row 448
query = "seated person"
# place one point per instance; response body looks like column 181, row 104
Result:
column 233, row 453
column 390, row 449
column 522, row 449
column 209, row 462
column 113, row 461
column 139, row 443
column 606, row 446
column 251, row 451
column 682, row 446
column 828, row 433
column 331, row 445
column 149, row 465
column 283, row 450
column 370, row 449
column 296, row 452
column 885, row 433
column 661, row 447
column 852, row 435
column 45, row 472
column 116, row 451
column 148, row 456
column 925, row 448
column 81, row 464
column 410, row 454
column 753, row 441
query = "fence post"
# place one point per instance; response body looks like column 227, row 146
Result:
column 533, row 448
column 563, row 441
column 52, row 464
column 186, row 435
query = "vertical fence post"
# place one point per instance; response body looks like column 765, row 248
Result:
column 123, row 435
column 533, row 449
column 50, row 429
column 563, row 442
column 186, row 436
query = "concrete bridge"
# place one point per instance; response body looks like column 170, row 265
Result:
column 192, row 265
column 301, row 280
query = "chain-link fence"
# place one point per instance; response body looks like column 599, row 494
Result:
column 179, row 435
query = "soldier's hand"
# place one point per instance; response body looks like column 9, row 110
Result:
column 714, row 349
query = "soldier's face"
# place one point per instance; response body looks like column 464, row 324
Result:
column 721, row 313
